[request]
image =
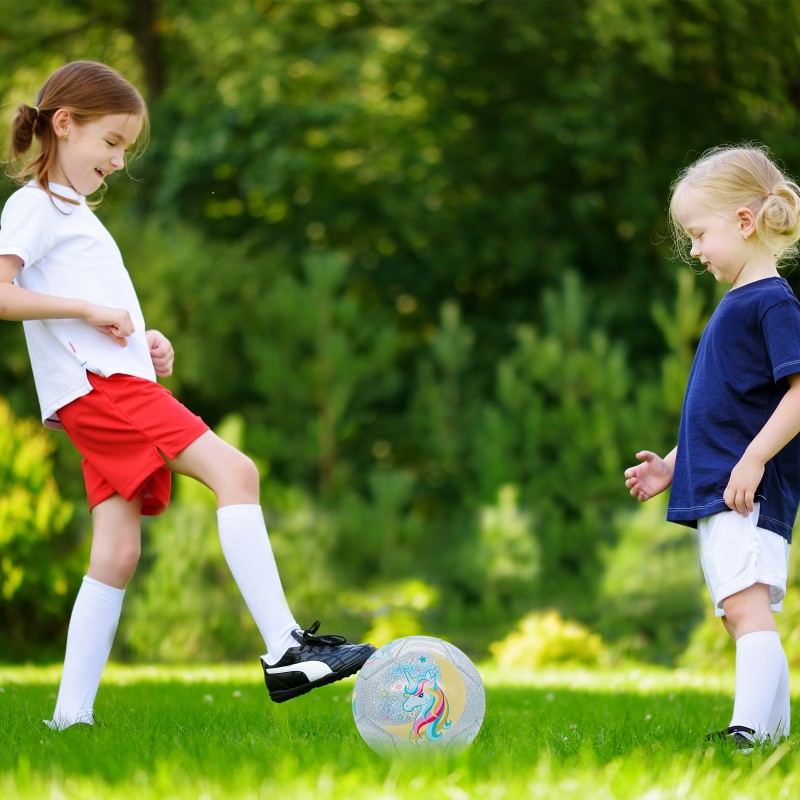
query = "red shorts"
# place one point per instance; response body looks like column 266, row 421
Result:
column 121, row 429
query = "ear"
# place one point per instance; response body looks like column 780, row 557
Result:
column 61, row 121
column 747, row 221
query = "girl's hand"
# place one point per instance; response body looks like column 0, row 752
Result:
column 740, row 492
column 161, row 353
column 649, row 478
column 116, row 323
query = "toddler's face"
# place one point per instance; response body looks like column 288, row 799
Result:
column 717, row 238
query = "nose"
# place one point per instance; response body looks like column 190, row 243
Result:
column 117, row 162
column 695, row 251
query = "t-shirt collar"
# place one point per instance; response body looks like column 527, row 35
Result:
column 66, row 191
column 60, row 190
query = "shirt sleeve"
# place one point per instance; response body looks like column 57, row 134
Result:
column 780, row 327
column 23, row 229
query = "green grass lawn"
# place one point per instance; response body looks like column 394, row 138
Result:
column 205, row 733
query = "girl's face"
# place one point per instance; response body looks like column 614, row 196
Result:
column 86, row 153
column 719, row 239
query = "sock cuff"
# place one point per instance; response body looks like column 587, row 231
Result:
column 109, row 593
column 243, row 511
column 756, row 636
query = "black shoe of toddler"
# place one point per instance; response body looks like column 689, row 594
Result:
column 742, row 739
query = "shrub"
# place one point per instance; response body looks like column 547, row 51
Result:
column 543, row 639
column 651, row 593
column 394, row 609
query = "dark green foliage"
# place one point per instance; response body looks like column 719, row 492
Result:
column 419, row 249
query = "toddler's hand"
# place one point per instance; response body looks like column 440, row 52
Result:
column 740, row 492
column 649, row 478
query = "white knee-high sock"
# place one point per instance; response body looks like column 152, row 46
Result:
column 92, row 627
column 759, row 665
column 246, row 546
column 779, row 721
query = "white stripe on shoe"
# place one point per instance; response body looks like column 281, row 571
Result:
column 313, row 670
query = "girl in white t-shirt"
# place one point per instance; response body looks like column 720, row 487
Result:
column 95, row 369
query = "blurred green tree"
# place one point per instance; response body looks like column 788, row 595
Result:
column 40, row 558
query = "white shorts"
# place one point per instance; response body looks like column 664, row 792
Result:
column 736, row 554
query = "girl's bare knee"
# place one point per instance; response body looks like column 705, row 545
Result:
column 229, row 473
column 128, row 556
column 241, row 480
column 116, row 541
column 247, row 472
column 115, row 566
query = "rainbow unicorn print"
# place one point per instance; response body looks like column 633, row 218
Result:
column 429, row 702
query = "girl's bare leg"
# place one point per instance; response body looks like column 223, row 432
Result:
column 234, row 479
column 115, row 552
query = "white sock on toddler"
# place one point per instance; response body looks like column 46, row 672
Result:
column 779, row 722
column 92, row 628
column 760, row 686
column 246, row 546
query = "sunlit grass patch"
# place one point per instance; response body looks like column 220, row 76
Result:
column 211, row 732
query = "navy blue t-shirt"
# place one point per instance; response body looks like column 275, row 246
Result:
column 750, row 345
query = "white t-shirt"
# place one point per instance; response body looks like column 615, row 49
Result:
column 67, row 252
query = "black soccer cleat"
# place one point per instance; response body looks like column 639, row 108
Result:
column 317, row 661
column 738, row 737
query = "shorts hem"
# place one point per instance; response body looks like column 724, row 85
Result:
column 129, row 492
column 191, row 437
column 773, row 582
column 133, row 490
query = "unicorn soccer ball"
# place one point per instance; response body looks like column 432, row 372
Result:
column 418, row 696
